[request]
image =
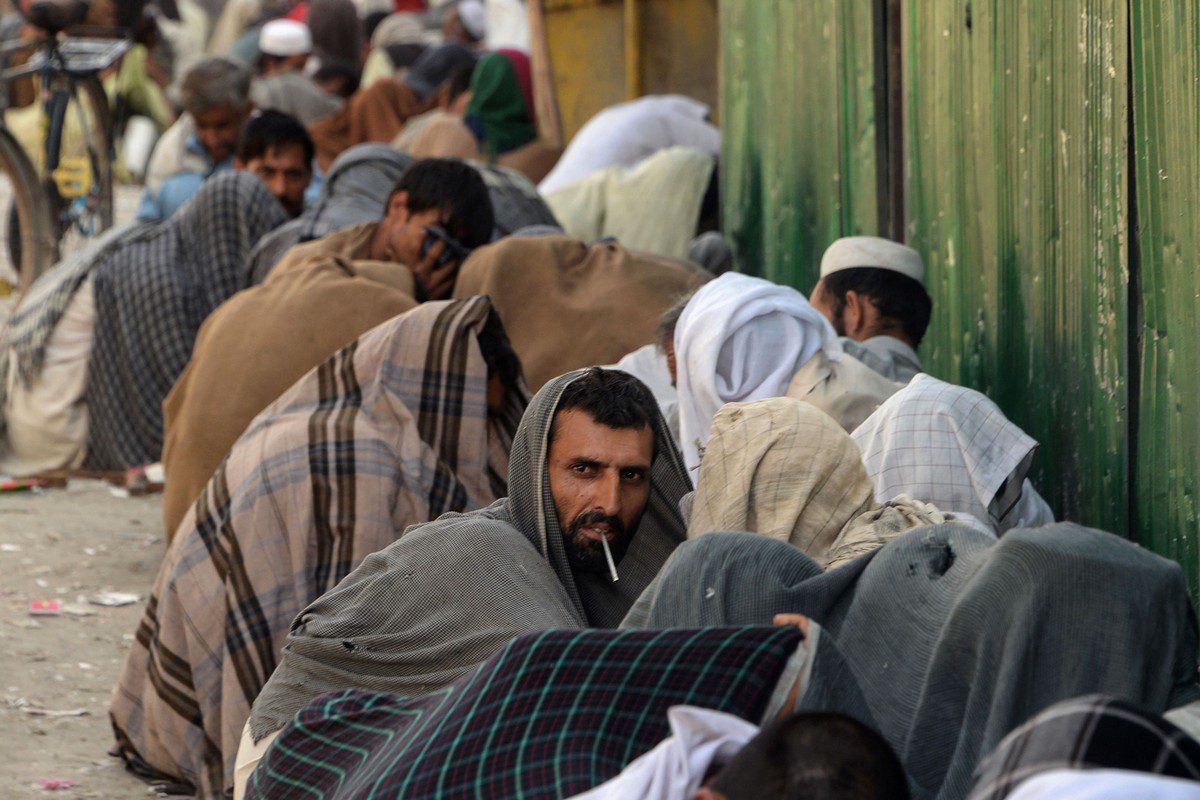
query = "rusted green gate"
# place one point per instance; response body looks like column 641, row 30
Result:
column 1051, row 160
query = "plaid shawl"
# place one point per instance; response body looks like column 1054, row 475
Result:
column 1095, row 732
column 552, row 715
column 952, row 637
column 152, row 294
column 449, row 594
column 392, row 430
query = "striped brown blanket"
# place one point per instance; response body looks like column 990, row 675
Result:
column 393, row 430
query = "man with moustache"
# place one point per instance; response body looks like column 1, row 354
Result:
column 592, row 459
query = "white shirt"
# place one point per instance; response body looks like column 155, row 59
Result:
column 675, row 768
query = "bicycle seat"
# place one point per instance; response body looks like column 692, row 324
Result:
column 53, row 16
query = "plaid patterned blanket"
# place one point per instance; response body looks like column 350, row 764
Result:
column 391, row 431
column 1095, row 732
column 152, row 294
column 552, row 715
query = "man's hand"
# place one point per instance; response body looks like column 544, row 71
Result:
column 785, row 620
column 434, row 282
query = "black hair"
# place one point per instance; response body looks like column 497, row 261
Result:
column 612, row 398
column 899, row 298
column 814, row 756
column 349, row 76
column 665, row 333
column 456, row 188
column 710, row 206
column 459, row 81
column 498, row 353
column 371, row 22
column 271, row 130
column 404, row 55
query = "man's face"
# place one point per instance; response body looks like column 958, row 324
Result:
column 277, row 65
column 600, row 481
column 285, row 173
column 453, row 30
column 822, row 301
column 404, row 231
column 218, row 129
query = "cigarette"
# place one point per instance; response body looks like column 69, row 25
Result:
column 612, row 567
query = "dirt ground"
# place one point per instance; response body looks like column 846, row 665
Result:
column 69, row 545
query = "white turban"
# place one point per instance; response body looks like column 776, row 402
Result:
column 741, row 339
column 473, row 17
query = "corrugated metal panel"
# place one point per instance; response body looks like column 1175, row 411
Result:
column 798, row 119
column 1166, row 92
column 1016, row 125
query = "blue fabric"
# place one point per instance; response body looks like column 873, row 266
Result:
column 178, row 189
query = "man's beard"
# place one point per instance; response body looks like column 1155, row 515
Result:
column 586, row 554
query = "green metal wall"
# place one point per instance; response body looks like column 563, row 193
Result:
column 1015, row 154
column 1016, row 157
column 1166, row 92
column 799, row 164
column 1052, row 182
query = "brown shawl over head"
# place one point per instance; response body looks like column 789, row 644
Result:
column 566, row 305
column 390, row 431
column 785, row 469
column 374, row 114
column 260, row 342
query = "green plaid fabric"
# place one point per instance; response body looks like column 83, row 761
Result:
column 552, row 715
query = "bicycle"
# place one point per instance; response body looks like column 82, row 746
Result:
column 72, row 194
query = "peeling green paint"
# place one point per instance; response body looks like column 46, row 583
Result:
column 1067, row 294
column 798, row 169
column 1166, row 91
column 1015, row 123
column 1015, row 136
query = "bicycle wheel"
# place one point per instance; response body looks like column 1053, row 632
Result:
column 79, row 158
column 29, row 229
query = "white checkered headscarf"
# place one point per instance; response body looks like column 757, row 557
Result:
column 950, row 446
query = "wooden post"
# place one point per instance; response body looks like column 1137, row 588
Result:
column 634, row 77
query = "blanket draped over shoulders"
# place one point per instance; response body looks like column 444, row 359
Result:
column 257, row 345
column 552, row 715
column 390, row 431
column 568, row 305
column 151, row 298
column 953, row 637
column 388, row 626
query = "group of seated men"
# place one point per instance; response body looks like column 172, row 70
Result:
column 455, row 514
column 385, row 523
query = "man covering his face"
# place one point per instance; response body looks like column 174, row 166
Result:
column 322, row 296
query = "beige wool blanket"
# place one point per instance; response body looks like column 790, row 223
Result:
column 566, row 305
column 260, row 342
column 782, row 468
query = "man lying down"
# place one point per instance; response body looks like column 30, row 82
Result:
column 594, row 488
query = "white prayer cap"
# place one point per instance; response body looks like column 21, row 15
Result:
column 473, row 17
column 285, row 37
column 854, row 252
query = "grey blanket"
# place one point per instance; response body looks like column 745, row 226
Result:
column 449, row 594
column 955, row 638
column 357, row 187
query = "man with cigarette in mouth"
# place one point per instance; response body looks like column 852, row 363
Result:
column 592, row 467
